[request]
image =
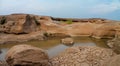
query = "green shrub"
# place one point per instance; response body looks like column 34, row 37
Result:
column 69, row 21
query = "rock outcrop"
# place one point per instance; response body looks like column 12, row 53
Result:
column 18, row 23
column 13, row 38
column 0, row 51
column 26, row 55
column 115, row 44
column 55, row 27
column 107, row 30
column 83, row 56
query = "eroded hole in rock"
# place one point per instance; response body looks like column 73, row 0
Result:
column 3, row 21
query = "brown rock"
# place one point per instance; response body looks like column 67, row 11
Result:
column 114, row 44
column 18, row 23
column 105, row 31
column 82, row 56
column 81, row 29
column 26, row 55
column 67, row 41
column 114, row 61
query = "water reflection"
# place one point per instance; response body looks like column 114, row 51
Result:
column 54, row 47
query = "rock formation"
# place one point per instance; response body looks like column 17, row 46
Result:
column 83, row 56
column 67, row 41
column 113, row 61
column 26, row 55
column 107, row 30
column 54, row 27
column 18, row 23
column 0, row 51
column 115, row 44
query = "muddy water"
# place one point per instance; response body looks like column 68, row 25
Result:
column 54, row 47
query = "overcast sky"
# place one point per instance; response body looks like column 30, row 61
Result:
column 109, row 9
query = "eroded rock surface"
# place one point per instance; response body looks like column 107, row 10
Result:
column 26, row 55
column 115, row 44
column 82, row 56
column 67, row 41
column 18, row 23
column 107, row 30
column 13, row 38
column 54, row 27
column 113, row 61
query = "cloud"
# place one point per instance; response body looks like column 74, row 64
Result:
column 104, row 8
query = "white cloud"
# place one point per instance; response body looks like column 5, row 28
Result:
column 105, row 8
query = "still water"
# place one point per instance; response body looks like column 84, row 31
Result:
column 54, row 47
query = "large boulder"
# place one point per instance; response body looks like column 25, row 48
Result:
column 82, row 56
column 18, row 23
column 26, row 55
column 113, row 61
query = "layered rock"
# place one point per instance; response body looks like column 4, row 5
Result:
column 26, row 55
column 13, row 38
column 107, row 30
column 55, row 27
column 83, row 56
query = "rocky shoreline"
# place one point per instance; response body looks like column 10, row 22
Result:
column 17, row 28
column 26, row 27
column 73, row 56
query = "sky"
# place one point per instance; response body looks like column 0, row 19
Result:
column 109, row 9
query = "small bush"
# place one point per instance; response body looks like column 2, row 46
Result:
column 69, row 21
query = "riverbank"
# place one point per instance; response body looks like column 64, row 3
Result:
column 16, row 28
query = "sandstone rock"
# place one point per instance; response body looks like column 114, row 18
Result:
column 13, row 38
column 0, row 51
column 113, row 61
column 18, row 23
column 105, row 31
column 81, row 29
column 82, row 56
column 3, row 63
column 67, row 41
column 115, row 44
column 58, row 35
column 46, row 18
column 26, row 55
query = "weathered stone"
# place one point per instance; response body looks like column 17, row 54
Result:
column 0, row 51
column 114, row 44
column 82, row 56
column 18, row 23
column 13, row 38
column 113, row 61
column 67, row 41
column 26, row 55
column 105, row 31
